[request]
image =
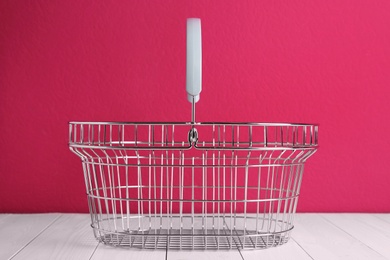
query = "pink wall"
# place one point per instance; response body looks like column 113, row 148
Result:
column 295, row 61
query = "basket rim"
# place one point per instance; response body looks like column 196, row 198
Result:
column 253, row 146
column 190, row 123
column 188, row 147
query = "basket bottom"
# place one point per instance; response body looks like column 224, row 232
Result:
column 193, row 239
column 247, row 231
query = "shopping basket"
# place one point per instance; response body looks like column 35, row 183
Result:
column 192, row 185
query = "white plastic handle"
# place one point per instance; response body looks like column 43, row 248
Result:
column 194, row 59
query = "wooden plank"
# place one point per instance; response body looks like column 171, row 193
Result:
column 104, row 252
column 322, row 239
column 316, row 236
column 385, row 217
column 2, row 216
column 17, row 231
column 69, row 237
column 378, row 222
column 291, row 250
column 204, row 254
column 372, row 231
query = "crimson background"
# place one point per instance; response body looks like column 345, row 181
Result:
column 323, row 62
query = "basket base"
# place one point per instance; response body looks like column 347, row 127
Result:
column 188, row 239
column 194, row 232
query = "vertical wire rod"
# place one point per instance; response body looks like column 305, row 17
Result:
column 224, row 178
column 193, row 111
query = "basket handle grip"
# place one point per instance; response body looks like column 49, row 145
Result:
column 194, row 60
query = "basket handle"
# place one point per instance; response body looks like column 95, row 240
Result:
column 194, row 60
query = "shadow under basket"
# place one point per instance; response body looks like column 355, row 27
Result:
column 153, row 185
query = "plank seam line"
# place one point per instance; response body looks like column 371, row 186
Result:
column 35, row 237
column 239, row 251
column 4, row 216
column 334, row 224
column 94, row 251
column 383, row 219
column 373, row 227
column 292, row 238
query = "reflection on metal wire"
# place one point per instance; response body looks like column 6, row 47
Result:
column 192, row 185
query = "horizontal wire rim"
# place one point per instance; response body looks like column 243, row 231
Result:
column 190, row 124
column 197, row 166
column 196, row 200
column 143, row 233
column 229, row 148
column 159, row 185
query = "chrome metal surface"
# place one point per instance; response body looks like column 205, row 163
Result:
column 154, row 185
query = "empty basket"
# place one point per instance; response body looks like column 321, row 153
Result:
column 192, row 185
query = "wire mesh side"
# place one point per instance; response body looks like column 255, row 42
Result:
column 148, row 186
column 189, row 199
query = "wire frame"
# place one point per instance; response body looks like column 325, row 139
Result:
column 148, row 186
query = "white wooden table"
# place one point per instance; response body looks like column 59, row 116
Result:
column 316, row 236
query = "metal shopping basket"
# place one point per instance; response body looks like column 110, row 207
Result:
column 192, row 185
